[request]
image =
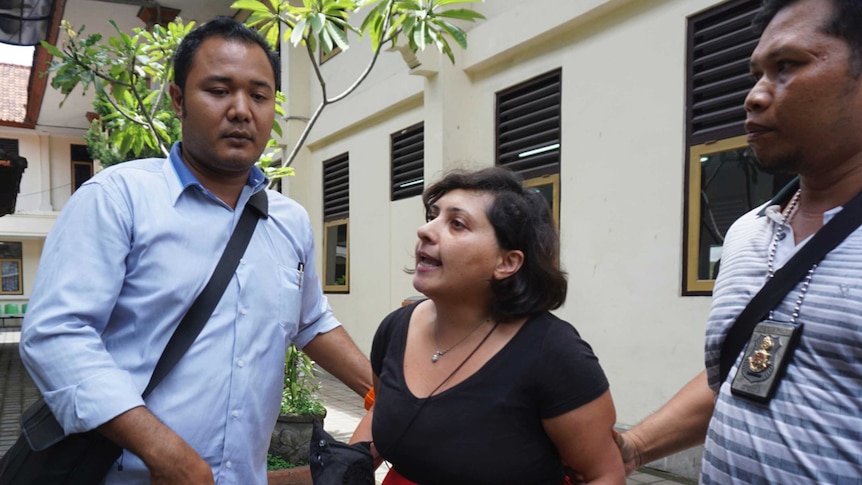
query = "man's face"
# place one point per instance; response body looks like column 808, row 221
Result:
column 227, row 108
column 805, row 111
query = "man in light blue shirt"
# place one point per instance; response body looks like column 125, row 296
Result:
column 134, row 247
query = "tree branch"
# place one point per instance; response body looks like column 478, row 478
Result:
column 373, row 58
column 150, row 125
column 326, row 101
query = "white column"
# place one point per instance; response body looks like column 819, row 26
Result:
column 45, row 173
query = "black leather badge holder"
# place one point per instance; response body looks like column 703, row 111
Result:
column 766, row 356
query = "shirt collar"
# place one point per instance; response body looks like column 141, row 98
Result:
column 257, row 181
column 782, row 197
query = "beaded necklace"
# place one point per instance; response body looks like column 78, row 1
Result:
column 787, row 216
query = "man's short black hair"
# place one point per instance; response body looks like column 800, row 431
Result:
column 225, row 28
column 846, row 24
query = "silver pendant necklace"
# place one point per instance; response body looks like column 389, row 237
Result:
column 440, row 353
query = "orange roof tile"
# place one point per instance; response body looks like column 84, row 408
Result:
column 13, row 92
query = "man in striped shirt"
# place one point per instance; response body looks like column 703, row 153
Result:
column 804, row 117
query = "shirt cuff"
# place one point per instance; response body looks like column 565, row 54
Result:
column 308, row 333
column 94, row 401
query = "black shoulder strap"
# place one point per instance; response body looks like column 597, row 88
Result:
column 200, row 311
column 786, row 278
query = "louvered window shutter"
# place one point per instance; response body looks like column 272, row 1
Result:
column 720, row 45
column 80, row 153
column 10, row 146
column 336, row 188
column 528, row 126
column 408, row 162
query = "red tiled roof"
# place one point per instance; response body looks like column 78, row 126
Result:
column 13, row 92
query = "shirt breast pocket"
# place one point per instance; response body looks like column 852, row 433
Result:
column 290, row 299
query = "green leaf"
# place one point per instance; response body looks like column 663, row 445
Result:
column 394, row 26
column 419, row 35
column 280, row 172
column 276, row 127
column 137, row 144
column 298, row 33
column 344, row 25
column 317, row 23
column 338, row 36
column 408, row 5
column 253, row 5
column 457, row 34
column 373, row 16
column 409, row 24
column 443, row 3
column 448, row 51
column 460, row 14
column 325, row 42
column 52, row 49
column 375, row 33
column 123, row 142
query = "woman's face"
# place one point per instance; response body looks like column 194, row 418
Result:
column 457, row 253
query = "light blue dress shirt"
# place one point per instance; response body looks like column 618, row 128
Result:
column 129, row 253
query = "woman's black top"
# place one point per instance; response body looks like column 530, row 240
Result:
column 488, row 428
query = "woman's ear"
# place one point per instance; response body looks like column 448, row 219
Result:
column 508, row 264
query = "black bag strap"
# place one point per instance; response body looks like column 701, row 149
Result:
column 200, row 311
column 786, row 278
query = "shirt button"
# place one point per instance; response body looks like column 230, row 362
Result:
column 240, row 363
column 242, row 261
column 244, row 311
column 228, row 465
column 235, row 414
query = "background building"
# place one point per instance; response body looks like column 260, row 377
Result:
column 626, row 114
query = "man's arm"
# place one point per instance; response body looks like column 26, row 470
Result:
column 338, row 355
column 168, row 457
column 678, row 425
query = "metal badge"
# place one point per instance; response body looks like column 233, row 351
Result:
column 766, row 356
column 758, row 361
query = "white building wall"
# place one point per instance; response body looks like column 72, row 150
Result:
column 622, row 176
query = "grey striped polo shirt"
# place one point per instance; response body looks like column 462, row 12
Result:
column 811, row 430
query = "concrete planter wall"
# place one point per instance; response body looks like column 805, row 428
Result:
column 291, row 437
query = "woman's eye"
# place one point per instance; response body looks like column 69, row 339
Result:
column 457, row 224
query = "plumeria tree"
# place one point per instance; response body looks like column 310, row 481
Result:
column 325, row 24
column 130, row 73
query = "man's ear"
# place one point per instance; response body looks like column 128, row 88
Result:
column 508, row 264
column 176, row 100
